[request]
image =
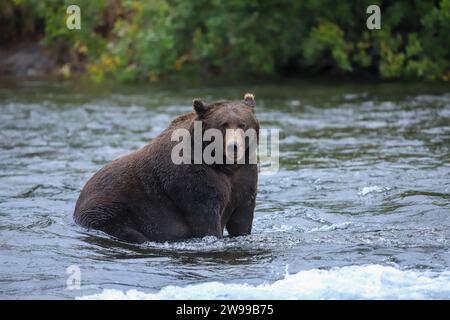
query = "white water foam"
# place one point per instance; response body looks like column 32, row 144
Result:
column 352, row 282
column 332, row 227
column 373, row 189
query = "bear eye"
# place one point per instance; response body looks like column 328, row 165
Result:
column 241, row 125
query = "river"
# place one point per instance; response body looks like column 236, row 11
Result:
column 359, row 208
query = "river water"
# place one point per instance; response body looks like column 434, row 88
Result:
column 360, row 206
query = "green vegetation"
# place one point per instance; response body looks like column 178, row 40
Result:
column 149, row 40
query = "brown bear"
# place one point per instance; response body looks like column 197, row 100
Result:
column 145, row 196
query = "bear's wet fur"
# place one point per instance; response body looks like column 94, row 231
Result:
column 144, row 196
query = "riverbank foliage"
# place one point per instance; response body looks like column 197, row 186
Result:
column 149, row 40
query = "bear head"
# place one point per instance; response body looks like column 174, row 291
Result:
column 235, row 119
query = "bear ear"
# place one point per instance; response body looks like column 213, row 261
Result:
column 249, row 100
column 199, row 107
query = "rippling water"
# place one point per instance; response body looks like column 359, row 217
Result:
column 361, row 202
